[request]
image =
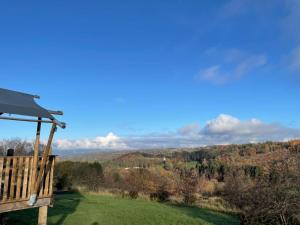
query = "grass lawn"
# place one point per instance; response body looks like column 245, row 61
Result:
column 87, row 209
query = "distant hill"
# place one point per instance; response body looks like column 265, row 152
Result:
column 255, row 154
column 93, row 156
column 102, row 156
column 137, row 159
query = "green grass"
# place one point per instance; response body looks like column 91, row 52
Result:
column 87, row 209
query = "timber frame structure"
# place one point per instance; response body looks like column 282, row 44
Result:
column 27, row 181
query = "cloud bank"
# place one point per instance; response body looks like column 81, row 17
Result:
column 224, row 129
column 110, row 141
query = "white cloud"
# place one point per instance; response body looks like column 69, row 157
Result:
column 233, row 65
column 250, row 63
column 223, row 123
column 189, row 129
column 228, row 129
column 213, row 75
column 111, row 141
column 224, row 129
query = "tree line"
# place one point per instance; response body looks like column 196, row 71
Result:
column 262, row 180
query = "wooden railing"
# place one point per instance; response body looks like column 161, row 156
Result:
column 16, row 178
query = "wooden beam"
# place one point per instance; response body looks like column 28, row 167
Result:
column 20, row 205
column 53, row 112
column 39, row 180
column 51, row 176
column 24, row 119
column 25, row 180
column 36, row 154
column 6, row 179
column 19, row 177
column 60, row 124
column 43, row 211
column 1, row 171
column 12, row 178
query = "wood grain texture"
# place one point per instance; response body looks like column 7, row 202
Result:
column 19, row 178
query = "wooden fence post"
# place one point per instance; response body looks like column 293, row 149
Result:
column 43, row 211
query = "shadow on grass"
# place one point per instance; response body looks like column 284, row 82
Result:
column 64, row 205
column 207, row 215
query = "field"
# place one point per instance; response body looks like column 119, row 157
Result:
column 87, row 209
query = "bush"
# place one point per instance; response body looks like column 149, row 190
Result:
column 133, row 194
column 189, row 199
column 267, row 200
column 207, row 187
column 161, row 195
column 153, row 196
column 188, row 185
column 62, row 182
column 84, row 174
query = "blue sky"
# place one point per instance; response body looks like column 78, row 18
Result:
column 144, row 70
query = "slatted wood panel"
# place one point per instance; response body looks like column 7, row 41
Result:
column 16, row 177
column 25, row 178
column 51, row 175
column 1, row 173
column 6, row 178
column 12, row 179
column 19, row 177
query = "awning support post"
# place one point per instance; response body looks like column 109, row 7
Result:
column 36, row 154
column 33, row 197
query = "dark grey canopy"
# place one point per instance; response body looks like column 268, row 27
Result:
column 13, row 102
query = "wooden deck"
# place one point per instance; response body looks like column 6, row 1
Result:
column 16, row 182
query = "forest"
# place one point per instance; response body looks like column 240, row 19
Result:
column 258, row 182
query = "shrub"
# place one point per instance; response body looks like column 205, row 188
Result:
column 133, row 194
column 163, row 195
column 86, row 175
column 188, row 185
column 268, row 200
column 153, row 196
column 62, row 182
column 160, row 195
column 206, row 186
column 189, row 198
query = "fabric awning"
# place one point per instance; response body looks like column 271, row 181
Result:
column 13, row 102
